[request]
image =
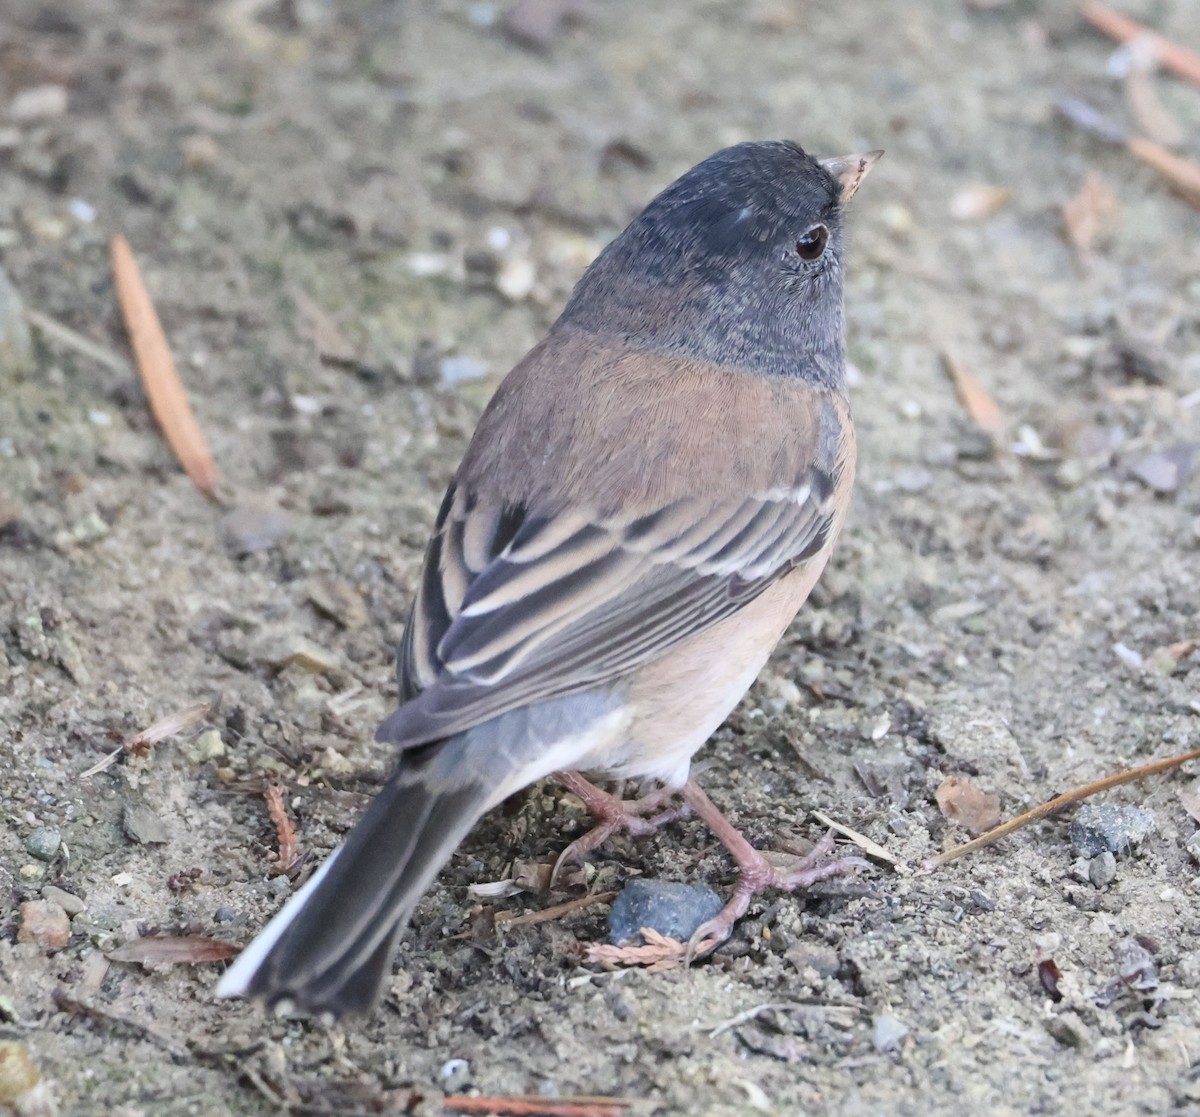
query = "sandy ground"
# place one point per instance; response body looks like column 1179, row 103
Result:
column 433, row 188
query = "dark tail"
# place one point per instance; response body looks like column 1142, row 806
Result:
column 330, row 949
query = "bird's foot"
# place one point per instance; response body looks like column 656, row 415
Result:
column 612, row 815
column 755, row 872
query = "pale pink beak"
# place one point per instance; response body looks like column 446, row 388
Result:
column 850, row 170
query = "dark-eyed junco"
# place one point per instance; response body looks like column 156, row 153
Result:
column 647, row 501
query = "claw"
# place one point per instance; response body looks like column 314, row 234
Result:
column 613, row 814
column 755, row 872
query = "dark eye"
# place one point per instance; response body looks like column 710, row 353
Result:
column 812, row 243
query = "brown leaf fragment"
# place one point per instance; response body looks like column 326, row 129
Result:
column 1091, row 212
column 1048, row 975
column 156, row 366
column 967, row 805
column 173, row 950
column 983, row 410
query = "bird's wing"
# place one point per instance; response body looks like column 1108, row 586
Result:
column 515, row 608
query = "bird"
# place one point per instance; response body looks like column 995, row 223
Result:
column 648, row 499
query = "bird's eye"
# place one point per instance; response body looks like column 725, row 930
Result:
column 812, row 243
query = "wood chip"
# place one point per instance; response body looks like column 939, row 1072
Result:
column 984, row 410
column 164, row 389
column 172, row 950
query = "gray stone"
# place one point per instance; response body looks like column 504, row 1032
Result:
column 143, row 825
column 887, row 1033
column 68, row 901
column 1098, row 827
column 1102, row 869
column 668, row 907
column 44, row 843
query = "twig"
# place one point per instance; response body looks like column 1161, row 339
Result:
column 285, row 832
column 164, row 389
column 526, row 1106
column 870, row 848
column 555, row 911
column 159, row 731
column 1179, row 60
column 1182, row 175
column 1058, row 803
column 170, row 950
column 73, row 339
column 715, row 1030
column 64, row 1002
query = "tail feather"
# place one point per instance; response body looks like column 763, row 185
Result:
column 330, row 948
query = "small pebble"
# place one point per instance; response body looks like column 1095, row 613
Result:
column 44, row 923
column 516, row 278
column 251, row 529
column 18, row 1073
column 887, row 1033
column 209, row 745
column 44, row 843
column 299, row 651
column 535, row 24
column 1166, row 471
column 668, row 907
column 68, row 901
column 338, row 600
column 1069, row 1030
column 1102, row 869
column 38, row 102
column 1100, row 827
column 142, row 825
column 455, row 370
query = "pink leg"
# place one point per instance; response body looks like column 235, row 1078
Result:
column 613, row 814
column 755, row 873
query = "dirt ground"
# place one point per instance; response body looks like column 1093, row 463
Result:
column 353, row 219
